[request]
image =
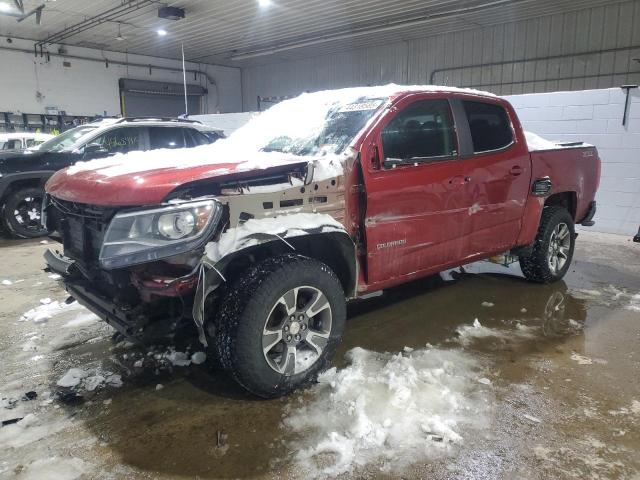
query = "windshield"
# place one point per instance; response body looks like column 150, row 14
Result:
column 311, row 124
column 66, row 139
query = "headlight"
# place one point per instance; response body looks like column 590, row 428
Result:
column 146, row 235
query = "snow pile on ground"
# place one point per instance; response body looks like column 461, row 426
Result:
column 48, row 309
column 391, row 410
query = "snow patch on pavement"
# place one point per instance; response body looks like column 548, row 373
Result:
column 388, row 409
column 77, row 377
column 48, row 309
column 55, row 468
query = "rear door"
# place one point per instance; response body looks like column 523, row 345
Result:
column 417, row 204
column 498, row 169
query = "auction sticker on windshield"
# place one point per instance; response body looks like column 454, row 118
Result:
column 357, row 107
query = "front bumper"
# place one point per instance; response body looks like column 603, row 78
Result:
column 103, row 307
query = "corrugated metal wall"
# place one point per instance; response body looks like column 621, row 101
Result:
column 590, row 48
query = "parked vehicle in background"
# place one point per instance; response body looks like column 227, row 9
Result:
column 260, row 238
column 22, row 140
column 24, row 173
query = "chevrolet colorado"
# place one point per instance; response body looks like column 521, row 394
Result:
column 261, row 238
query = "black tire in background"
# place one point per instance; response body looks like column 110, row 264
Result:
column 244, row 323
column 553, row 247
column 21, row 213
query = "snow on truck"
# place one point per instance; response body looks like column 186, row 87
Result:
column 261, row 238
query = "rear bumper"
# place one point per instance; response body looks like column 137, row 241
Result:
column 587, row 221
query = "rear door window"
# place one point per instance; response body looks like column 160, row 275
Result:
column 193, row 138
column 422, row 131
column 489, row 125
column 166, row 137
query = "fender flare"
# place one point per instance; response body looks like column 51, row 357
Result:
column 213, row 268
column 9, row 179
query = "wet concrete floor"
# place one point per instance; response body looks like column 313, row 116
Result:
column 564, row 373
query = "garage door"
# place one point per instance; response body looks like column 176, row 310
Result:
column 141, row 98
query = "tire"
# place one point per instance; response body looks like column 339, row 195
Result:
column 21, row 213
column 257, row 324
column 553, row 247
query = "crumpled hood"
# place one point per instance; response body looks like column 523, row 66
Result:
column 146, row 178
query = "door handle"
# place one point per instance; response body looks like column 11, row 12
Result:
column 516, row 170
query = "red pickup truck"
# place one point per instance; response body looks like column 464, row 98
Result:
column 259, row 239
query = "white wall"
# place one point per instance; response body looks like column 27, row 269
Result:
column 595, row 117
column 89, row 88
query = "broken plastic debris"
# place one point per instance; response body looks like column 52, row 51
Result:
column 30, row 395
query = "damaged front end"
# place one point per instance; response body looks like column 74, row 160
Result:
column 144, row 269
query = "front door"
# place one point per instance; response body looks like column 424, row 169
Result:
column 417, row 202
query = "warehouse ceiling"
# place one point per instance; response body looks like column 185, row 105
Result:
column 242, row 32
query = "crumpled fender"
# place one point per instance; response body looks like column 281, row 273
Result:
column 248, row 236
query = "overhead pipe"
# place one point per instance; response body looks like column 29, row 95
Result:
column 369, row 30
column 533, row 59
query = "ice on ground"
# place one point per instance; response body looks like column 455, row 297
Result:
column 30, row 429
column 72, row 378
column 198, row 358
column 583, row 360
column 55, row 276
column 7, row 282
column 47, row 311
column 77, row 377
column 81, row 320
column 467, row 334
column 55, row 468
column 178, row 359
column 387, row 409
column 487, row 304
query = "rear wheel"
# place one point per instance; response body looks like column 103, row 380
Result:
column 280, row 324
column 553, row 248
column 22, row 213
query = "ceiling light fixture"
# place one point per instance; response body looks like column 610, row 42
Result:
column 5, row 7
column 264, row 3
column 161, row 32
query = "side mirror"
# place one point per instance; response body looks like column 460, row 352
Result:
column 95, row 149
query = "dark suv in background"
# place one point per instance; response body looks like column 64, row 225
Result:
column 24, row 173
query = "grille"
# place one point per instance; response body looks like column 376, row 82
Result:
column 82, row 228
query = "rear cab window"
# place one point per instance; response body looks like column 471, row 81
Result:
column 422, row 131
column 489, row 126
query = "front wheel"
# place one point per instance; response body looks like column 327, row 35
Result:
column 280, row 324
column 553, row 248
column 22, row 212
